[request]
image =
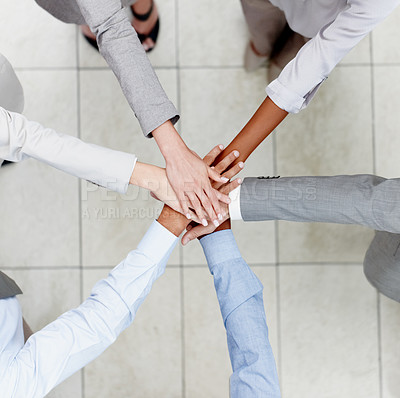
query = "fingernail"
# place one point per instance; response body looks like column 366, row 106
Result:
column 239, row 180
column 221, row 146
column 188, row 216
column 241, row 165
column 216, row 223
column 204, row 222
column 224, row 179
column 184, row 241
column 229, row 201
column 236, row 153
column 220, row 217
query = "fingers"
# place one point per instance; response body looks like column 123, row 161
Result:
column 196, row 232
column 231, row 186
column 223, row 198
column 196, row 205
column 226, row 162
column 237, row 168
column 213, row 198
column 183, row 203
column 212, row 155
column 213, row 175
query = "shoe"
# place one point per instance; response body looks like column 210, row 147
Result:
column 153, row 35
column 253, row 61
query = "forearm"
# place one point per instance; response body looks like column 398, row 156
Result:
column 366, row 200
column 21, row 138
column 80, row 335
column 121, row 48
column 240, row 298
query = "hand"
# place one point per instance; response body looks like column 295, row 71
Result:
column 155, row 180
column 189, row 176
column 193, row 231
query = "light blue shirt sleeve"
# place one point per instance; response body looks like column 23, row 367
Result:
column 240, row 297
column 80, row 335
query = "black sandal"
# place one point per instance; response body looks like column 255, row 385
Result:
column 153, row 35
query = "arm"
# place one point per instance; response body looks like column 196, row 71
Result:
column 301, row 78
column 240, row 298
column 121, row 48
column 366, row 200
column 21, row 139
column 80, row 335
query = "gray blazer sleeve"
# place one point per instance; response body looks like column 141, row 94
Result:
column 366, row 200
column 121, row 48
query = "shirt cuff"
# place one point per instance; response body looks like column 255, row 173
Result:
column 220, row 247
column 157, row 242
column 284, row 98
column 234, row 206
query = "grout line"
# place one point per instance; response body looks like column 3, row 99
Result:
column 187, row 267
column 78, row 87
column 373, row 126
column 181, row 255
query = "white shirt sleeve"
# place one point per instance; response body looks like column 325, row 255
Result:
column 301, row 78
column 80, row 335
column 234, row 206
column 21, row 138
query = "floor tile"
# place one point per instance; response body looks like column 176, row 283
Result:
column 385, row 48
column 329, row 332
column 47, row 295
column 164, row 53
column 211, row 115
column 387, row 120
column 390, row 322
column 113, row 224
column 32, row 38
column 145, row 361
column 211, row 33
column 207, row 358
column 37, row 199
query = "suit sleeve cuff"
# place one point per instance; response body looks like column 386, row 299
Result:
column 234, row 206
column 157, row 242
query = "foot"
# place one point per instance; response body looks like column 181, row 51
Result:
column 87, row 32
column 142, row 7
column 253, row 59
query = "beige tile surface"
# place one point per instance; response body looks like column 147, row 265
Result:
column 164, row 53
column 385, row 48
column 48, row 294
column 387, row 120
column 390, row 321
column 207, row 358
column 211, row 33
column 328, row 332
column 145, row 361
column 211, row 115
column 113, row 224
column 31, row 37
column 39, row 205
column 360, row 54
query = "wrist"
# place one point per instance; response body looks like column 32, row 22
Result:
column 172, row 220
column 169, row 141
column 147, row 176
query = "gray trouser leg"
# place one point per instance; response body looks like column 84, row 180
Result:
column 265, row 22
column 382, row 264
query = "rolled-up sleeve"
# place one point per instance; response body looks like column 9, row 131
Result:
column 121, row 48
column 300, row 79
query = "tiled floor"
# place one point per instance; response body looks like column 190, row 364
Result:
column 332, row 334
